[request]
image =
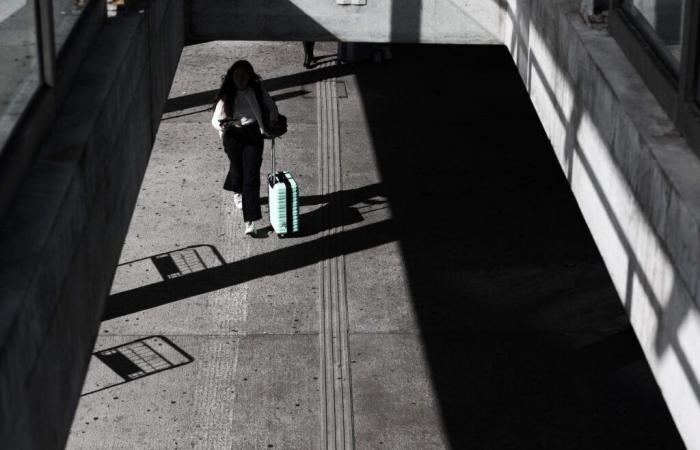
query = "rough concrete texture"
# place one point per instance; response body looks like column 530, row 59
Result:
column 473, row 22
column 467, row 292
column 635, row 180
column 75, row 203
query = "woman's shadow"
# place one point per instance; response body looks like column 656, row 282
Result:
column 338, row 209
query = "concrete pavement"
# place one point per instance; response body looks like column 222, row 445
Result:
column 445, row 292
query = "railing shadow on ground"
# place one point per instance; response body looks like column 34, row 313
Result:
column 209, row 278
column 254, row 267
column 130, row 361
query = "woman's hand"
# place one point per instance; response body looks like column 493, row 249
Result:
column 225, row 123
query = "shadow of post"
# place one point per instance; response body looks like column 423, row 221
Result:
column 206, row 98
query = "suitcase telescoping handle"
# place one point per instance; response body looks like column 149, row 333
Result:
column 272, row 160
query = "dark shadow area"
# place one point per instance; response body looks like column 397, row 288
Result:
column 528, row 344
column 609, row 354
column 206, row 98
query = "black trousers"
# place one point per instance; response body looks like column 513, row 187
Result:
column 244, row 148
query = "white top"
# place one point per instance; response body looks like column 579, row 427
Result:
column 246, row 108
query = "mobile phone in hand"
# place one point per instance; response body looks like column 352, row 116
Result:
column 228, row 122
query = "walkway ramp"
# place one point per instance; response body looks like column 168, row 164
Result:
column 444, row 292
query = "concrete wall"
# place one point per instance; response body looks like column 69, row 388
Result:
column 430, row 21
column 61, row 239
column 634, row 178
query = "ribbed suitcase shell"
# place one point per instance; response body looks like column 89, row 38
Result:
column 282, row 197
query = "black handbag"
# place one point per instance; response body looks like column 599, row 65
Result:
column 278, row 127
column 274, row 129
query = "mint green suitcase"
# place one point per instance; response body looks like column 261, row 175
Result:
column 283, row 195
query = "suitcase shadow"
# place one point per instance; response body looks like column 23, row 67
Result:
column 338, row 209
column 318, row 221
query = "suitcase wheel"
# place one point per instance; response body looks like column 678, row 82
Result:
column 282, row 235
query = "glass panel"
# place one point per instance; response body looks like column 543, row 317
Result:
column 666, row 18
column 65, row 15
column 19, row 61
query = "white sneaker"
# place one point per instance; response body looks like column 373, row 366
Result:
column 250, row 228
column 238, row 200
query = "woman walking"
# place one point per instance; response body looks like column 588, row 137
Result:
column 243, row 114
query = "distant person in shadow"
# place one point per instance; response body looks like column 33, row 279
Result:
column 309, row 53
column 309, row 57
column 243, row 114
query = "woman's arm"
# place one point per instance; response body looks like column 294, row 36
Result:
column 218, row 115
column 270, row 105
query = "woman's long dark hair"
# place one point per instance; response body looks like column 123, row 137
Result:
column 228, row 89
